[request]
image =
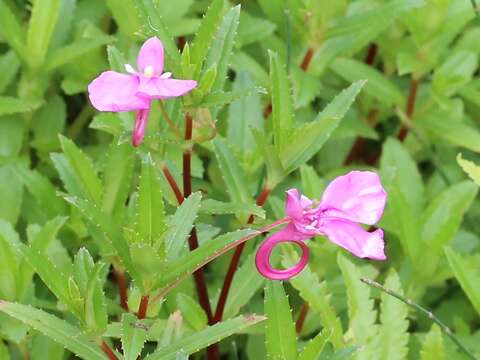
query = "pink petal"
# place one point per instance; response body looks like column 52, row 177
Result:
column 296, row 204
column 357, row 196
column 158, row 88
column 151, row 54
column 262, row 257
column 355, row 239
column 141, row 122
column 113, row 91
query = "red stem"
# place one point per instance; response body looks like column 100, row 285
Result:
column 234, row 263
column 307, row 58
column 213, row 352
column 412, row 97
column 143, row 307
column 122, row 287
column 371, row 54
column 173, row 184
column 109, row 352
column 301, row 317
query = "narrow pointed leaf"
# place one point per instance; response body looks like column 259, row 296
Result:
column 134, row 336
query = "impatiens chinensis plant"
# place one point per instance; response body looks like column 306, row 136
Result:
column 226, row 179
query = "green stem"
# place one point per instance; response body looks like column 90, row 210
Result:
column 80, row 121
column 445, row 329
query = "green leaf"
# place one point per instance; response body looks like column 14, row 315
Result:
column 11, row 193
column 81, row 167
column 246, row 283
column 10, row 105
column 282, row 107
column 156, row 26
column 232, row 173
column 199, row 340
column 219, row 99
column 12, row 132
column 75, row 50
column 192, row 312
column 40, row 29
column 275, row 171
column 455, row 72
column 470, row 168
column 126, row 16
column 451, row 131
column 361, row 311
column 377, row 86
column 467, row 272
column 134, row 336
column 8, row 270
column 206, row 34
column 243, row 115
column 117, row 178
column 112, row 233
column 82, row 268
column 180, row 225
column 309, row 139
column 96, row 317
column 40, row 243
column 443, row 216
column 315, row 346
column 319, row 298
column 393, row 333
column 179, row 269
column 42, row 190
column 211, row 206
column 280, row 335
column 432, row 346
column 253, row 29
column 9, row 66
column 57, row 329
column 12, row 30
column 221, row 50
column 55, row 280
column 149, row 214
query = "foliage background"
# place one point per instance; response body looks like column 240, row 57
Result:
column 80, row 209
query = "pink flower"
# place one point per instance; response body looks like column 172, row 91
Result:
column 357, row 197
column 113, row 91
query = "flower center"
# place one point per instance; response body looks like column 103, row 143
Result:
column 148, row 71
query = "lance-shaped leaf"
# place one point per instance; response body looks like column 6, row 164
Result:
column 156, row 26
column 467, row 273
column 57, row 329
column 318, row 297
column 192, row 312
column 180, row 225
column 361, row 311
column 10, row 105
column 472, row 169
column 280, row 335
column 40, row 29
column 79, row 168
column 307, row 140
column 212, row 206
column 149, row 214
column 205, row 34
column 282, row 108
column 12, row 30
column 199, row 340
column 56, row 281
column 134, row 335
column 179, row 269
column 314, row 348
column 42, row 240
column 222, row 46
column 117, row 178
column 232, row 173
column 96, row 317
column 8, row 270
column 103, row 222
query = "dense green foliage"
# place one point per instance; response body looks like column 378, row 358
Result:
column 291, row 94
